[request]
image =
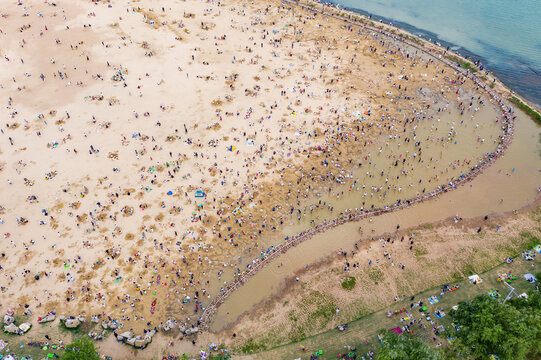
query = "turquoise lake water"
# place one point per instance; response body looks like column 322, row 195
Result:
column 504, row 34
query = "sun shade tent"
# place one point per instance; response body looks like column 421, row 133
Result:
column 530, row 277
column 11, row 329
column 25, row 327
column 199, row 194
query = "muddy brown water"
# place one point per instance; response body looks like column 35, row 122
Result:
column 509, row 184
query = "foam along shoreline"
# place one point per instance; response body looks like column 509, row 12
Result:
column 258, row 264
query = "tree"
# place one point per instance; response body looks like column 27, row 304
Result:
column 82, row 348
column 404, row 347
column 509, row 330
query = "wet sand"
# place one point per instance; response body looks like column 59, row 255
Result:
column 480, row 197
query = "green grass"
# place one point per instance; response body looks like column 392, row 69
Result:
column 348, row 283
column 313, row 313
column 362, row 332
column 529, row 240
column 456, row 276
column 81, row 330
column 251, row 346
column 420, row 252
column 468, row 270
column 297, row 333
column 376, row 275
column 463, row 63
column 415, row 40
column 19, row 319
column 428, row 226
column 534, row 114
column 30, row 352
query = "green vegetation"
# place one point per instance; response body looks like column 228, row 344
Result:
column 219, row 357
column 412, row 38
column 369, row 322
column 366, row 319
column 314, row 312
column 468, row 270
column 509, row 330
column 376, row 275
column 534, row 114
column 463, row 63
column 420, row 251
column 82, row 348
column 251, row 346
column 529, row 240
column 80, row 331
column 348, row 283
column 456, row 276
column 403, row 347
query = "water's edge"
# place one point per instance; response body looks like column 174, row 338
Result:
column 456, row 48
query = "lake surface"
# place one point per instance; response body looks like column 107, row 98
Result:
column 504, row 35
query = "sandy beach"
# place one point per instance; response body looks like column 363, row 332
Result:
column 150, row 151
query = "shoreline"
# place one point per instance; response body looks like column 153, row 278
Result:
column 276, row 251
column 422, row 40
column 425, row 36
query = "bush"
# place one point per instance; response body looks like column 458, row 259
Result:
column 82, row 348
column 348, row 283
column 404, row 347
column 509, row 330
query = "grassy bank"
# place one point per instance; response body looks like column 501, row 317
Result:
column 463, row 63
column 362, row 333
column 534, row 114
column 443, row 254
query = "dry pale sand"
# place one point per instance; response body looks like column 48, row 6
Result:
column 116, row 113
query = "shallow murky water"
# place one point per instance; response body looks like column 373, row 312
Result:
column 432, row 153
column 510, row 183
